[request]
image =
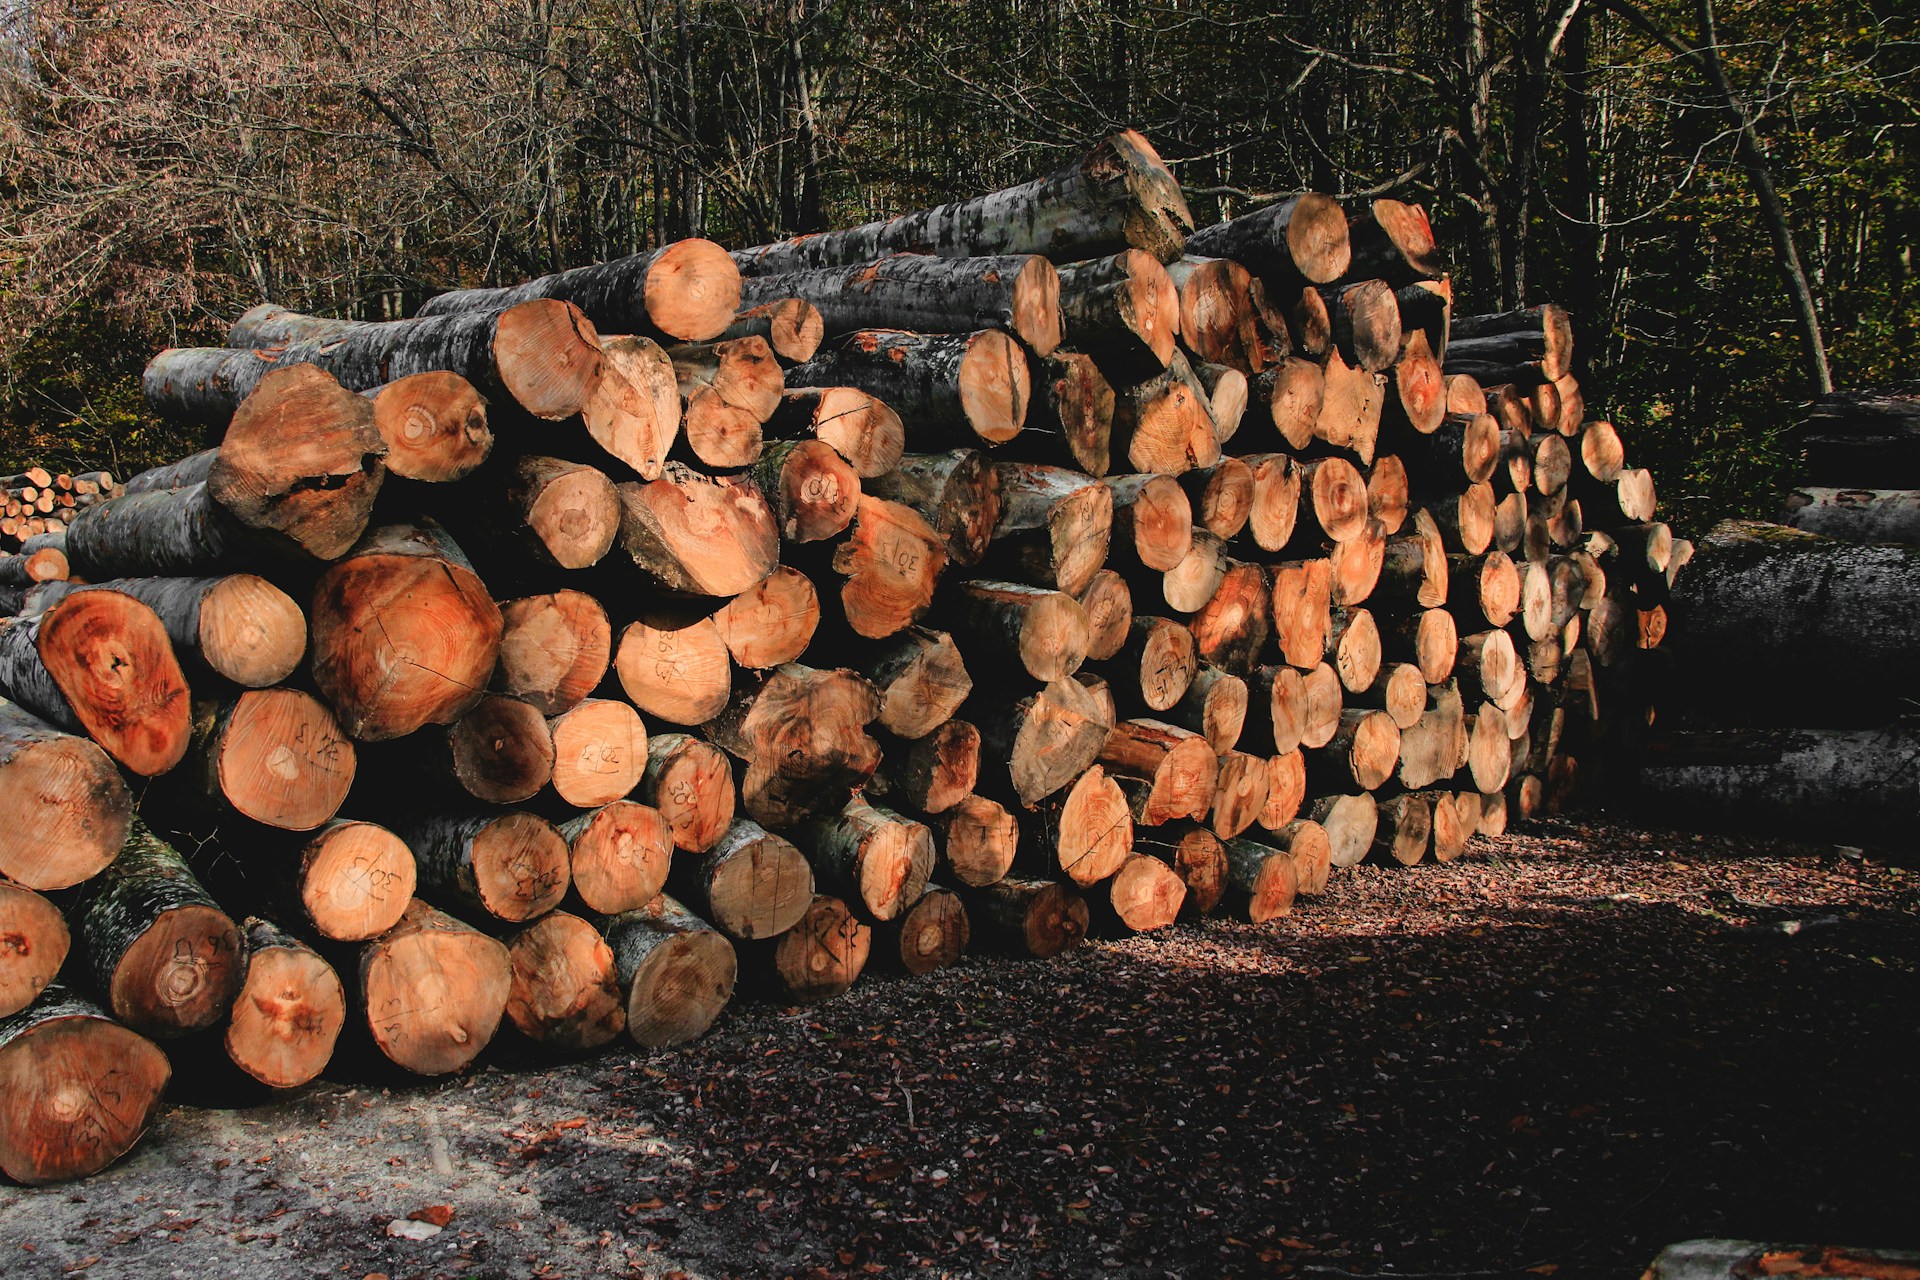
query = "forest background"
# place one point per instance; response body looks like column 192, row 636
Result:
column 166, row 163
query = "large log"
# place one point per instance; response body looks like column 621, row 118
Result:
column 979, row 840
column 166, row 532
column 675, row 667
column 677, row 970
column 156, row 945
column 1754, row 1260
column 952, row 389
column 1527, row 346
column 404, row 633
column 1117, row 196
column 501, row 864
column 1858, row 439
column 1393, row 241
column 699, row 534
column 80, row 1088
column 802, row 733
column 290, row 1010
column 750, row 884
column 64, row 808
column 934, row 773
column 922, row 681
column 599, row 752
column 1044, row 631
column 920, row 294
column 1775, row 625
column 1303, row 239
column 239, row 627
column 564, row 990
column 618, row 854
column 689, row 289
column 433, row 990
column 1073, row 401
column 99, row 663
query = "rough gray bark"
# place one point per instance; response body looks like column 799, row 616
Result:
column 1857, row 515
column 1017, row 293
column 688, row 290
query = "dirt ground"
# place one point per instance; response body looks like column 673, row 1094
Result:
column 1552, row 1057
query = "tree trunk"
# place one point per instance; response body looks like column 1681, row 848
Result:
column 698, row 534
column 691, row 784
column 689, row 290
column 404, row 633
column 802, row 733
column 751, row 884
column 1304, row 239
column 554, row 649
column 81, row 1089
column 160, row 950
column 964, row 388
column 99, row 663
column 1118, row 196
column 433, row 991
column 1856, row 515
column 678, row 972
column 1019, row 294
column 64, row 809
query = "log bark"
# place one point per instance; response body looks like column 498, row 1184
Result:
column 1118, row 196
column 691, row 785
column 689, row 289
column 290, row 1010
column 675, row 667
column 697, row 534
column 914, row 293
column 790, row 326
column 770, row 622
column 1726, row 1259
column 1857, row 439
column 751, row 884
column 99, row 663
column 1856, row 515
column 64, row 808
column 935, row 772
column 81, row 1089
column 956, row 389
column 1037, row 918
column 1304, row 239
column 404, row 633
column 677, row 970
column 37, row 942
column 564, row 993
column 802, row 734
column 930, row 935
column 876, row 859
column 165, row 533
column 156, row 945
column 892, row 560
column 957, row 493
column 922, row 681
column 599, row 752
column 618, row 855
column 1043, row 740
column 554, row 649
column 433, row 991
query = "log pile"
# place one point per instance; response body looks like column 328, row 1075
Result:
column 569, row 654
column 38, row 502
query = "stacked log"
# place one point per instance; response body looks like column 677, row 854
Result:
column 40, row 504
column 1012, row 570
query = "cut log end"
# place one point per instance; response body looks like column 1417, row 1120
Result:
column 355, row 880
column 435, row 990
column 80, row 1090
column 548, row 357
column 564, row 992
column 289, row 1013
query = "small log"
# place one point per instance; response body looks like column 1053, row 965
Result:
column 1196, row 856
column 1213, row 706
column 1489, row 749
column 348, row 881
column 1387, row 493
column 802, row 733
column 1351, row 408
column 675, row 667
column 1404, row 830
column 81, row 1089
column 1334, row 503
column 564, row 992
column 554, row 649
column 934, row 772
column 506, row 865
column 1188, row 586
column 1353, row 647
column 1493, row 816
column 1165, row 424
column 1044, row 631
column 1511, row 523
column 878, row 859
column 957, row 389
column 1044, row 740
column 1037, row 918
column 1466, row 519
column 1240, row 795
column 979, row 841
column 1291, row 396
column 1527, row 345
column 599, row 752
column 1230, row 630
column 1301, row 239
column 1318, row 713
column 791, row 327
column 892, row 560
column 931, row 934
column 1143, row 895
column 1262, row 880
column 957, row 493
column 1362, row 753
column 1453, row 826
column 689, row 289
column 1053, row 527
column 1179, row 768
column 404, row 633
column 1366, row 323
column 1398, row 690
column 1108, row 603
column 772, row 621
column 751, row 884
column 1302, row 600
column 1354, row 566
column 922, row 681
column 37, row 942
column 697, row 534
column 552, row 513
column 157, row 946
column 434, row 425
column 1160, row 660
column 618, row 854
column 433, row 991
column 727, row 391
column 1485, row 588
column 1123, row 310
column 64, row 808
column 1152, row 520
column 290, row 1010
column 690, row 783
column 677, row 970
column 915, row 293
column 98, row 663
column 1073, row 400
column 1428, row 639
column 1221, row 496
column 1286, row 790
column 275, row 756
column 1489, row 667
column 1601, row 452
column 1276, row 499
column 862, row 429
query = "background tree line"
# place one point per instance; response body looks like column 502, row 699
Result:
column 168, row 164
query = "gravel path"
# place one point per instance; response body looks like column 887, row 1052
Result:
column 1551, row 1057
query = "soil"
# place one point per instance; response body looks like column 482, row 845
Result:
column 1552, row 1057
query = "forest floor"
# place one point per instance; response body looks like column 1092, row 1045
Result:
column 1552, row 1058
